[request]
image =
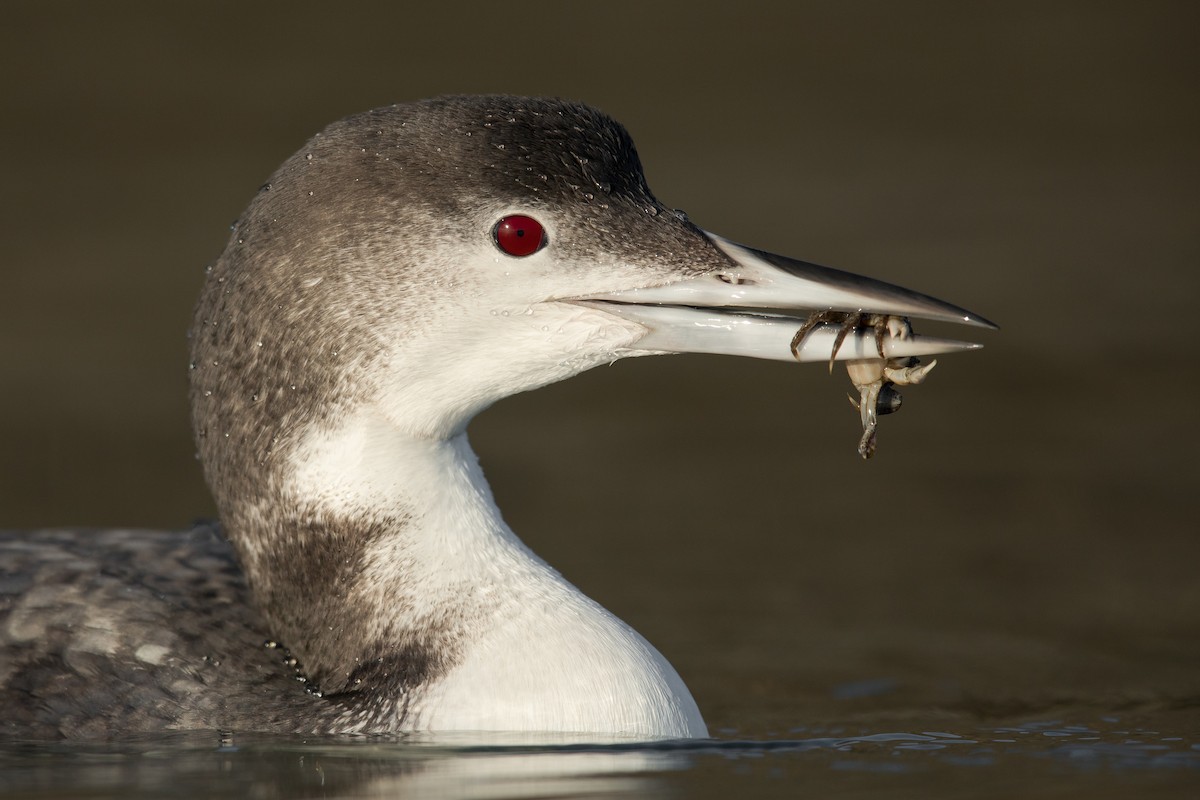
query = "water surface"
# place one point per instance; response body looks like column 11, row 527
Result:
column 1034, row 759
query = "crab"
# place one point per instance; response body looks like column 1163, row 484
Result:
column 875, row 378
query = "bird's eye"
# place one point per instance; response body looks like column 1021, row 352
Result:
column 519, row 235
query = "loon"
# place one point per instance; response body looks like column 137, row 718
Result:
column 405, row 269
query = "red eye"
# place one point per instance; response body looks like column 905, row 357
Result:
column 519, row 235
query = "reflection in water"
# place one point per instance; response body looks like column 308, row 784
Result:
column 189, row 765
column 201, row 765
column 474, row 768
column 529, row 774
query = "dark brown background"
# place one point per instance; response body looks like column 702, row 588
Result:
column 1025, row 542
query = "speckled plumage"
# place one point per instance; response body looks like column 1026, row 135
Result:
column 106, row 632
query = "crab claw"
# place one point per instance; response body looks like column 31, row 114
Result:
column 908, row 376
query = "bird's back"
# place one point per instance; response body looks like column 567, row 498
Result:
column 119, row 632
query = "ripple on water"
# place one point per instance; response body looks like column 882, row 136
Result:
column 1007, row 759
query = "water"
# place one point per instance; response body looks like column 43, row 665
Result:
column 1108, row 759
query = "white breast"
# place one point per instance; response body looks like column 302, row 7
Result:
column 563, row 663
column 530, row 652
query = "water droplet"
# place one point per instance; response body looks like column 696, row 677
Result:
column 652, row 211
column 504, row 313
column 208, row 392
column 191, row 365
column 253, row 398
column 310, row 194
column 308, row 156
column 589, row 196
column 260, row 343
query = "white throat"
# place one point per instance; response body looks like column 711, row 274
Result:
column 524, row 649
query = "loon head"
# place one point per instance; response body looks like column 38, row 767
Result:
column 376, row 267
